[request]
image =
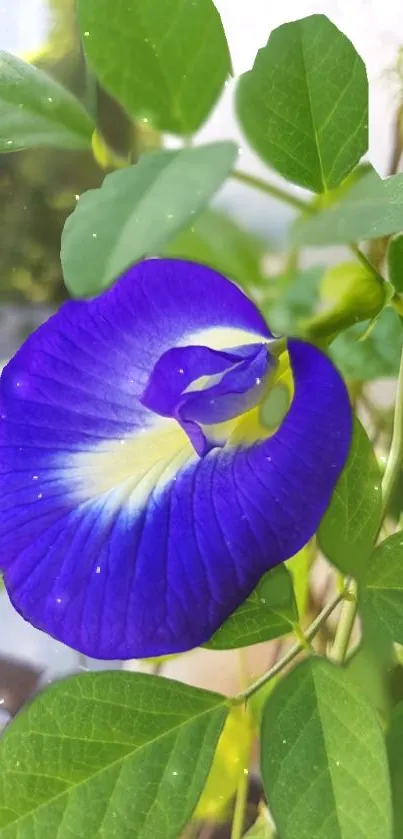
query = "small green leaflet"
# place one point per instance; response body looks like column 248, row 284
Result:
column 323, row 756
column 383, row 594
column 395, row 262
column 137, row 211
column 348, row 529
column 218, row 241
column 117, row 755
column 164, row 62
column 270, row 611
column 304, row 105
column 371, row 208
column 37, row 111
column 375, row 357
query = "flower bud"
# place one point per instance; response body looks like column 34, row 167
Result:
column 348, row 293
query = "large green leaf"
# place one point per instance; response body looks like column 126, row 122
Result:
column 395, row 262
column 349, row 526
column 218, row 241
column 394, row 742
column 116, row 755
column 383, row 593
column 136, row 211
column 165, row 62
column 323, row 757
column 371, row 208
column 37, row 111
column 268, row 612
column 375, row 357
column 304, row 105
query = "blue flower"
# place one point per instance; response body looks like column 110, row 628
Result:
column 160, row 450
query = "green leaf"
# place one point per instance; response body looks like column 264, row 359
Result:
column 165, row 62
column 116, row 755
column 323, row 756
column 296, row 299
column 268, row 612
column 395, row 262
column 262, row 829
column 136, row 211
column 37, row 111
column 348, row 529
column 383, row 593
column 304, row 105
column 216, row 240
column 368, row 670
column 394, row 740
column 371, row 208
column 375, row 357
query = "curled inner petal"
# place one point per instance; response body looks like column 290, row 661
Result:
column 202, row 388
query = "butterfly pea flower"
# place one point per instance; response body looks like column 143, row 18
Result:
column 160, row 450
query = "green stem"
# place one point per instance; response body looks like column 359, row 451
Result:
column 345, row 626
column 395, row 458
column 270, row 189
column 292, row 652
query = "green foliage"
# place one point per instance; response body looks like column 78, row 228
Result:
column 368, row 669
column 323, row 757
column 394, row 742
column 166, row 62
column 375, row 357
column 270, row 611
column 304, row 105
column 349, row 526
column 383, row 594
column 37, row 111
column 371, row 208
column 295, row 299
column 395, row 262
column 215, row 240
column 136, row 211
column 349, row 293
column 262, row 829
column 108, row 754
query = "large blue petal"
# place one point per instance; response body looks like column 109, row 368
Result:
column 116, row 537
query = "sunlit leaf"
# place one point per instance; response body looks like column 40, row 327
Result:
column 231, row 760
column 37, row 111
column 304, row 105
column 136, row 211
column 114, row 755
column 323, row 756
column 165, row 62
column 269, row 612
column 348, row 529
